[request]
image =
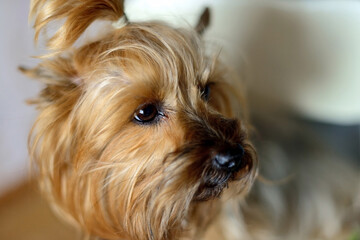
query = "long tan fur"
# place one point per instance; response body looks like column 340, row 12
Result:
column 114, row 178
column 78, row 16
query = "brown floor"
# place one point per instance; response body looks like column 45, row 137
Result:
column 24, row 215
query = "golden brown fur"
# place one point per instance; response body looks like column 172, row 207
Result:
column 115, row 178
column 111, row 176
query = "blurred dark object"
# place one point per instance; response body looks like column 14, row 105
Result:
column 344, row 140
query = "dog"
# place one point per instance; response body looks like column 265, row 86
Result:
column 140, row 134
column 144, row 134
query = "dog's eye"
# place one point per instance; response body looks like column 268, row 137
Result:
column 205, row 94
column 146, row 113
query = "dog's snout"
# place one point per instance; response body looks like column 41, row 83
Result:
column 229, row 159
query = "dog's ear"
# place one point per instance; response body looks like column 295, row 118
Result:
column 78, row 15
column 203, row 22
column 60, row 78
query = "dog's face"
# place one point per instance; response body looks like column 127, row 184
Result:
column 139, row 133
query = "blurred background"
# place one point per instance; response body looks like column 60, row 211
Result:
column 301, row 58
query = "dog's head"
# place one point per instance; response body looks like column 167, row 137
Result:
column 137, row 131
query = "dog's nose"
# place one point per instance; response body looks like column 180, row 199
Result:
column 229, row 159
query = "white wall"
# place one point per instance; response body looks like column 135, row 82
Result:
column 16, row 46
column 301, row 54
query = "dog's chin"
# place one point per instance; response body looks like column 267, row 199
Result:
column 214, row 181
column 213, row 184
column 207, row 193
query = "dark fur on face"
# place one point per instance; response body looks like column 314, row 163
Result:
column 207, row 136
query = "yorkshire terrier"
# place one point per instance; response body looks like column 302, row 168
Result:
column 141, row 134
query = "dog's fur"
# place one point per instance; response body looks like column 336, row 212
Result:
column 117, row 178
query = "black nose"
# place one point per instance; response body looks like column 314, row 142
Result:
column 229, row 159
